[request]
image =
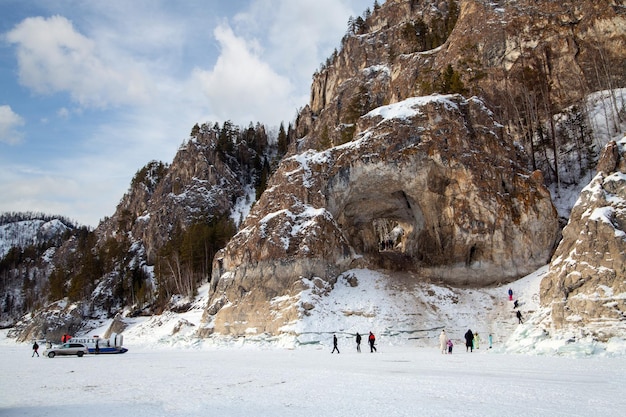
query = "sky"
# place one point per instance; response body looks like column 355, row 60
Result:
column 92, row 91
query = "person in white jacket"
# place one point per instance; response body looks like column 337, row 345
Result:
column 443, row 342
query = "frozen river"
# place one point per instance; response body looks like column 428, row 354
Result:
column 308, row 382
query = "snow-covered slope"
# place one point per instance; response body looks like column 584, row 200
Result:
column 398, row 310
column 28, row 232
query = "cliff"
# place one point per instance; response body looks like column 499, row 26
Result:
column 585, row 286
column 430, row 185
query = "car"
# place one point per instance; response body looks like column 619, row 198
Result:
column 69, row 348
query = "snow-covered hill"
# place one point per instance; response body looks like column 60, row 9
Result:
column 29, row 232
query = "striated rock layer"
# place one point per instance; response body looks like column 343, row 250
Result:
column 586, row 285
column 429, row 185
column 501, row 50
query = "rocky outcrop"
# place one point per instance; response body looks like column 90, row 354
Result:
column 50, row 323
column 202, row 182
column 198, row 185
column 430, row 185
column 502, row 51
column 586, row 285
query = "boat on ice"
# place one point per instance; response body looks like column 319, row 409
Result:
column 97, row 344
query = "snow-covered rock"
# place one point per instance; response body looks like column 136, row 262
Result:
column 585, row 289
column 29, row 232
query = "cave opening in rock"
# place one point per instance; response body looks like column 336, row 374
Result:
column 384, row 226
column 391, row 234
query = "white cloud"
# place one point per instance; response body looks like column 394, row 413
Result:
column 63, row 113
column 9, row 124
column 53, row 57
column 300, row 35
column 167, row 66
column 241, row 86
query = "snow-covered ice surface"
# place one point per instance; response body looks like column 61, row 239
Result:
column 309, row 381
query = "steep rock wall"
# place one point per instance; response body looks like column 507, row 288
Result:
column 499, row 50
column 196, row 185
column 429, row 185
column 585, row 287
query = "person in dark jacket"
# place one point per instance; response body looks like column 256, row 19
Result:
column 519, row 316
column 469, row 341
column 358, row 342
column 335, row 348
column 372, row 341
column 35, row 349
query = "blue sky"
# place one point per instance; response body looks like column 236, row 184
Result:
column 90, row 91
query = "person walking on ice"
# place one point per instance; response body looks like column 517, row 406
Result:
column 450, row 345
column 476, row 341
column 519, row 317
column 335, row 348
column 469, row 340
column 372, row 341
column 35, row 349
column 443, row 342
column 358, row 342
column 510, row 294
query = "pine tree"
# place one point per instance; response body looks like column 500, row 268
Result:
column 451, row 82
column 195, row 130
column 282, row 140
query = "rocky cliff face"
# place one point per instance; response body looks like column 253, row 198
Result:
column 381, row 174
column 513, row 54
column 379, row 178
column 201, row 183
column 430, row 185
column 586, row 284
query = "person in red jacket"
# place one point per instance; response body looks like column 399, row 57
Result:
column 372, row 341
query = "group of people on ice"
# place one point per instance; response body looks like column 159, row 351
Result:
column 472, row 341
column 371, row 339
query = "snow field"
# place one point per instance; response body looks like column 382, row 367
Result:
column 310, row 381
